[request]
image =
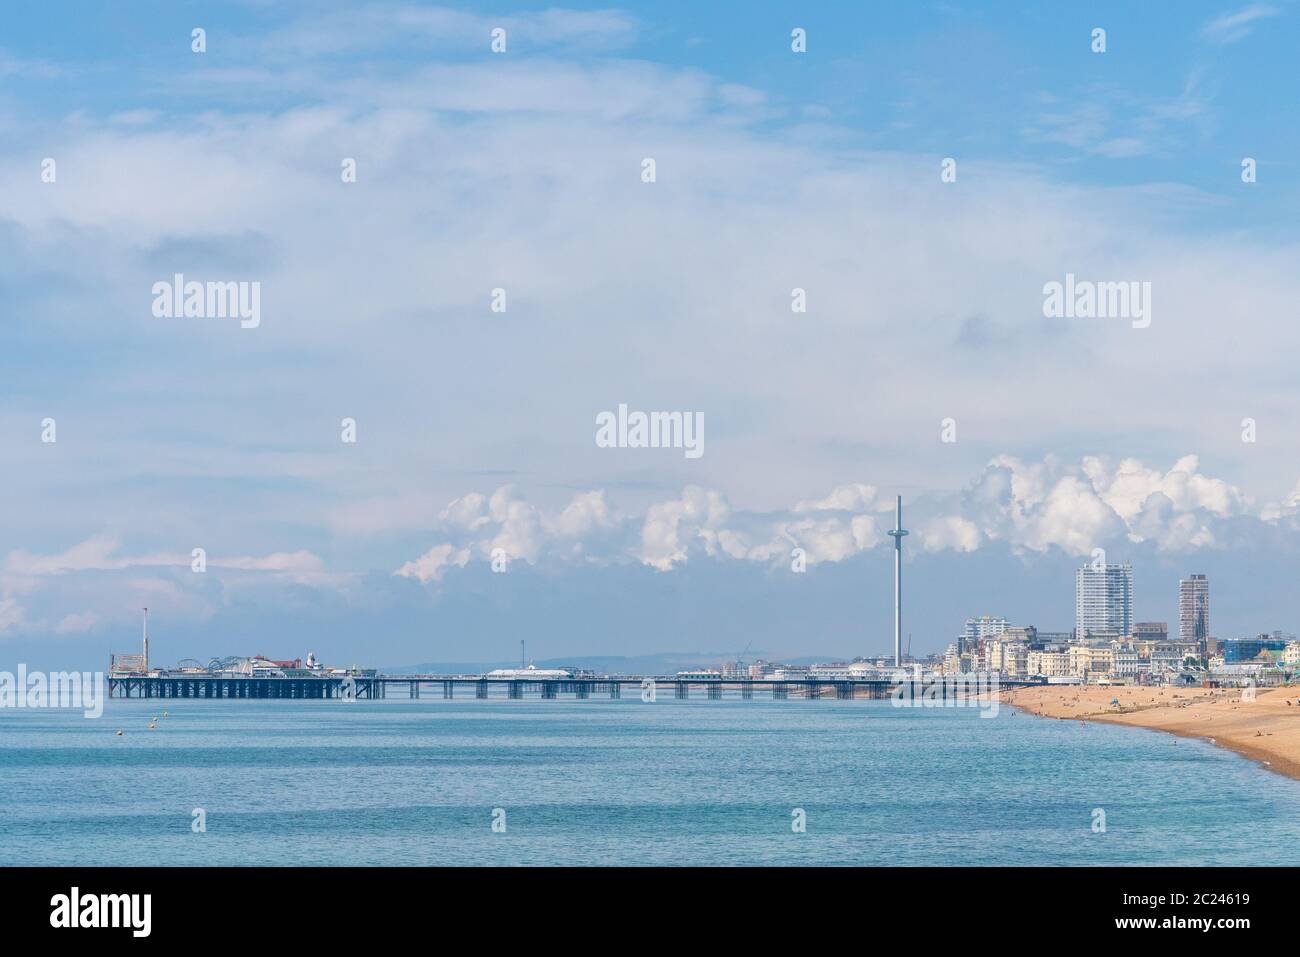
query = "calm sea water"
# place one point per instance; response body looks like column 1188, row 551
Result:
column 621, row 782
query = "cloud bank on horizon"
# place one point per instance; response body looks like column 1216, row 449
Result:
column 499, row 271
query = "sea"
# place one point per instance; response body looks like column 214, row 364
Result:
column 621, row 782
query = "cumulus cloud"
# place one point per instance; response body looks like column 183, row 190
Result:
column 672, row 527
column 431, row 565
column 503, row 525
column 843, row 498
column 1077, row 507
column 1029, row 506
column 698, row 522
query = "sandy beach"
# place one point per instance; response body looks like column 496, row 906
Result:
column 1266, row 729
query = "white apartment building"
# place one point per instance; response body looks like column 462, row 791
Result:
column 1103, row 601
column 985, row 626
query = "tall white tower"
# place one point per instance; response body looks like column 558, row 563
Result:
column 146, row 641
column 1103, row 600
column 897, row 534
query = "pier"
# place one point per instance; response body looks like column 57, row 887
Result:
column 374, row 687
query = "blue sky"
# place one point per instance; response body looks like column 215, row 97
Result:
column 521, row 171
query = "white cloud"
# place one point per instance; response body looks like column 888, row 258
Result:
column 950, row 532
column 671, row 528
column 300, row 563
column 100, row 553
column 1079, row 507
column 432, row 564
column 587, row 514
column 75, row 624
column 855, row 496
column 1231, row 27
column 1031, row 507
column 525, row 172
column 323, row 34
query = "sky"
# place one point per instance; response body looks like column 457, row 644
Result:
column 921, row 172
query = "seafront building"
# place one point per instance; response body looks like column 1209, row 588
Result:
column 1048, row 664
column 1194, row 611
column 985, row 626
column 1103, row 601
column 1085, row 661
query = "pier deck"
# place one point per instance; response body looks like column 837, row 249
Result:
column 373, row 687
